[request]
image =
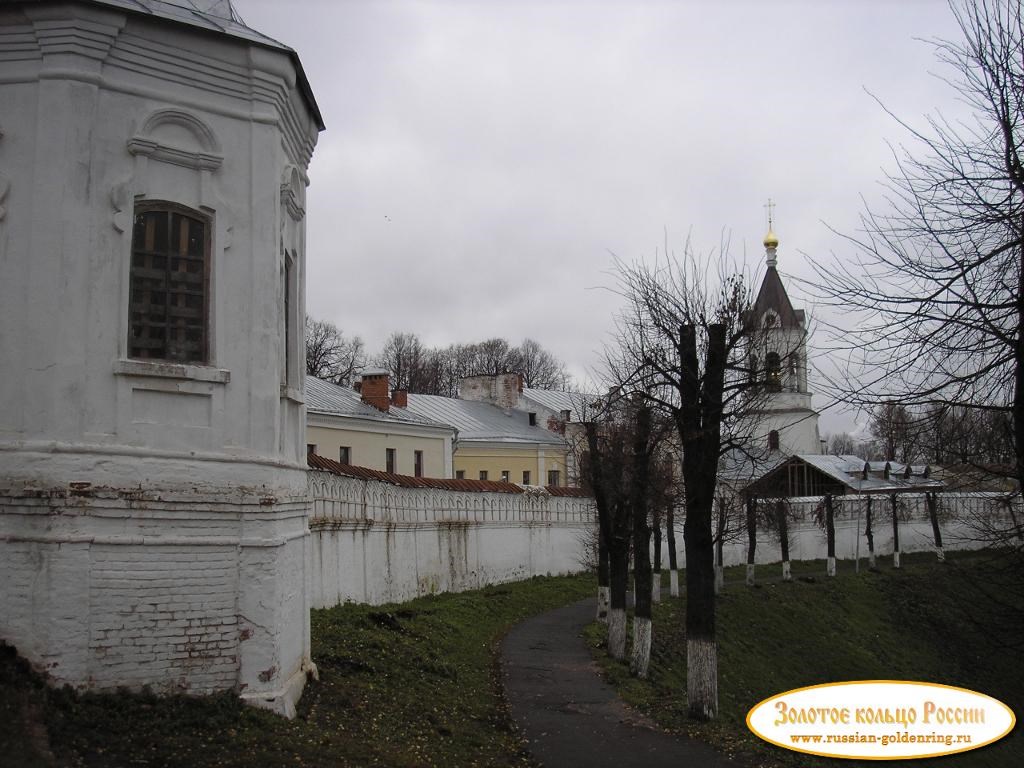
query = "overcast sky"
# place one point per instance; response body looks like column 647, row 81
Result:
column 483, row 160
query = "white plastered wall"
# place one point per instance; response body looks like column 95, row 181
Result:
column 153, row 517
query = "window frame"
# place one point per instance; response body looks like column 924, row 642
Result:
column 169, row 209
column 773, row 371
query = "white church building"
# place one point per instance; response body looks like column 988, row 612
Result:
column 153, row 490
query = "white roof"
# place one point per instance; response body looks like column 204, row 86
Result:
column 324, row 397
column 848, row 470
column 578, row 404
column 481, row 421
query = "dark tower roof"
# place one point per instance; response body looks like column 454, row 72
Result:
column 773, row 296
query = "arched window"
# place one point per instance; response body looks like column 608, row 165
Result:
column 773, row 440
column 773, row 371
column 168, row 304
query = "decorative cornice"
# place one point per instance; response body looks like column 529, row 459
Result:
column 119, row 200
column 198, row 160
column 291, row 204
column 77, row 36
column 292, row 189
column 208, row 157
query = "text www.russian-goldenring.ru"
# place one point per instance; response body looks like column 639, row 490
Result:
column 884, row 740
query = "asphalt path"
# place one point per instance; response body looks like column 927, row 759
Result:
column 569, row 716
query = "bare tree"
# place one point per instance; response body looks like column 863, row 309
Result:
column 869, row 533
column 938, row 295
column 686, row 343
column 404, row 357
column 438, row 371
column 895, row 512
column 777, row 516
column 824, row 515
column 656, row 519
column 843, row 444
column 540, row 368
column 623, row 442
column 977, row 439
column 728, row 528
column 330, row 355
column 895, row 431
column 670, row 535
column 639, row 494
column 751, row 526
column 605, row 467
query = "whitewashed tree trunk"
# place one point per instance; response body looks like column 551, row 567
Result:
column 604, row 600
column 617, row 633
column 641, row 657
column 719, row 578
column 872, row 561
column 941, row 553
column 831, row 566
column 656, row 587
column 750, row 575
column 673, row 583
column 896, row 559
column 702, row 677
column 787, row 575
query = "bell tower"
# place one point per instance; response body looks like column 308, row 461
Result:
column 783, row 419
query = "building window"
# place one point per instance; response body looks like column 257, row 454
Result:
column 554, row 477
column 418, row 464
column 310, row 447
column 773, row 440
column 460, row 474
column 566, row 416
column 168, row 301
column 345, row 455
column 483, row 474
column 290, row 343
column 526, row 477
column 773, row 371
column 390, row 455
column 533, row 419
column 504, row 476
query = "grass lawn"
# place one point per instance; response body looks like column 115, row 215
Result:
column 401, row 685
column 924, row 622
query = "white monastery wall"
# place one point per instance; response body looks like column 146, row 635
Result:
column 373, row 542
column 959, row 514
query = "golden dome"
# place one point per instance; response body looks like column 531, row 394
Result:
column 770, row 240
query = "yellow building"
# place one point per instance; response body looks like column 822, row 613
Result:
column 368, row 431
column 497, row 443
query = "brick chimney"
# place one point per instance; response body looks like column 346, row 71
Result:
column 507, row 388
column 502, row 389
column 374, row 388
column 400, row 398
